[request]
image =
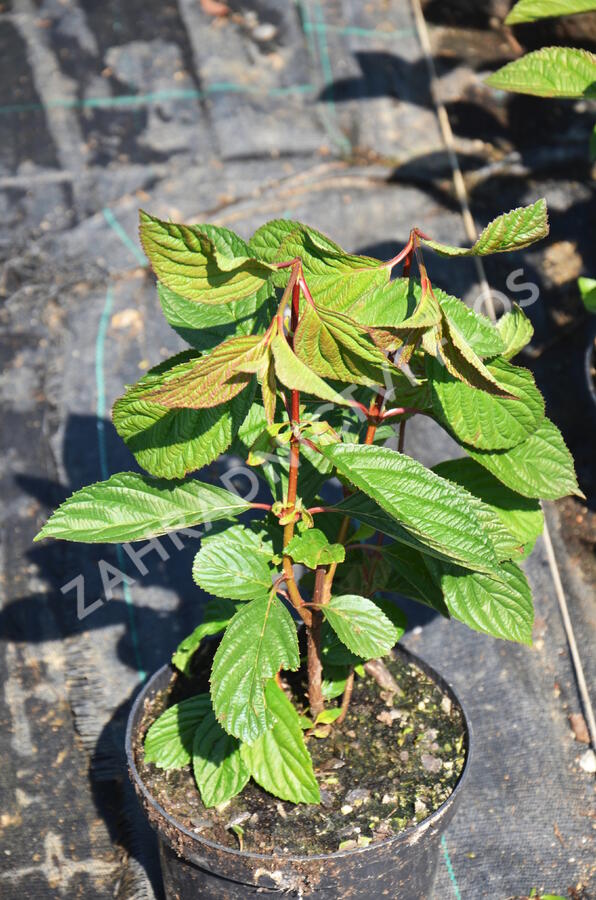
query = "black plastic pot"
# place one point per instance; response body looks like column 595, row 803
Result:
column 400, row 868
column 590, row 364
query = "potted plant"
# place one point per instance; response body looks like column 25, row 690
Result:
column 296, row 751
column 587, row 290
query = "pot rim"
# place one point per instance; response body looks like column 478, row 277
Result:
column 405, row 836
column 589, row 361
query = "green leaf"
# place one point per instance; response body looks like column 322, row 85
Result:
column 218, row 612
column 334, row 682
column 168, row 742
column 541, row 466
column 549, row 72
column 201, row 262
column 511, row 231
column 210, row 380
column 172, row 442
column 219, row 768
column 532, row 10
column 439, row 514
column 294, row 374
column 516, row 331
column 363, row 568
column 396, row 616
column 334, row 277
column 587, row 289
column 204, row 326
column 484, row 420
column 411, row 577
column 501, row 608
column 131, row 507
column 521, row 516
column 369, row 299
column 473, row 328
column 252, row 426
column 312, row 549
column 361, row 625
column 333, row 346
column 278, row 239
column 334, row 652
column 358, row 286
column 461, row 361
column 260, row 640
column 278, row 760
column 328, row 716
column 234, row 564
column 366, row 511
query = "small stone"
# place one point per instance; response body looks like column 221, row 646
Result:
column 431, row 763
column 387, row 717
column 404, row 755
column 420, row 808
column 337, row 764
column 326, row 798
column 580, row 728
column 389, row 799
column 200, row 823
column 446, row 705
column 264, row 32
column 281, row 811
column 363, row 840
column 348, row 845
column 346, row 809
column 357, row 796
column 587, row 762
column 239, row 819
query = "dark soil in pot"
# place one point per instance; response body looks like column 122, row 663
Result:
column 392, row 763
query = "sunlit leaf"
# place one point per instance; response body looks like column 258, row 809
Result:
column 532, row 10
column 260, row 640
column 549, row 72
column 511, row 231
column 132, row 507
column 278, row 760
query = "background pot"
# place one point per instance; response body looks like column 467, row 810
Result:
column 590, row 364
column 402, row 866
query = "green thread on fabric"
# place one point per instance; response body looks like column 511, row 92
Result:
column 354, row 31
column 100, row 410
column 128, row 243
column 321, row 31
column 450, row 869
column 134, row 100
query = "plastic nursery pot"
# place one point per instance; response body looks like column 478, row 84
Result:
column 401, row 867
column 590, row 365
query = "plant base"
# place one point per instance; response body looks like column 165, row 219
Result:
column 402, row 865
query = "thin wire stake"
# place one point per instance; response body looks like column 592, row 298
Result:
column 447, row 135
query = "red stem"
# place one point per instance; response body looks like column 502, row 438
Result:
column 399, row 411
column 313, row 648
